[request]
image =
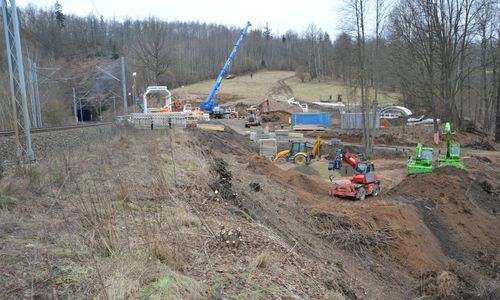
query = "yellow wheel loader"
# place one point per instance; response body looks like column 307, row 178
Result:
column 298, row 153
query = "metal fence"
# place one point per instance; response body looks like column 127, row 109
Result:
column 355, row 120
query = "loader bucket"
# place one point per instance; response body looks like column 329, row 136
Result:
column 416, row 167
column 450, row 162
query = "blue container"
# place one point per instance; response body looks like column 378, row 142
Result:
column 313, row 119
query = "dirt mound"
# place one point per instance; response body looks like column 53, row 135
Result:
column 431, row 185
column 460, row 226
column 241, row 108
column 278, row 116
column 227, row 142
column 308, row 183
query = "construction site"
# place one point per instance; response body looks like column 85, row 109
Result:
column 252, row 186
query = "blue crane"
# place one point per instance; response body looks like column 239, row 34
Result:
column 210, row 104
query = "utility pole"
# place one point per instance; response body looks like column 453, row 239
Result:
column 74, row 106
column 134, row 95
column 37, row 96
column 114, row 105
column 36, row 114
column 31, row 80
column 17, row 80
column 124, row 86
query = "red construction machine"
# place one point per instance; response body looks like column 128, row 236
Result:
column 364, row 182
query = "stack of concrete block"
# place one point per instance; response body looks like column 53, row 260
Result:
column 293, row 136
column 268, row 148
column 258, row 134
column 281, row 135
column 159, row 120
column 261, row 135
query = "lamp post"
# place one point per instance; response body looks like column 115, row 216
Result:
column 134, row 74
column 133, row 88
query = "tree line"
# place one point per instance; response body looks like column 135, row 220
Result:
column 441, row 55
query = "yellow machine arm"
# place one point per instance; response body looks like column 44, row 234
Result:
column 281, row 154
column 316, row 148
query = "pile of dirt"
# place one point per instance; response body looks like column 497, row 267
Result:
column 241, row 108
column 302, row 181
column 461, row 228
column 308, row 183
column 227, row 141
column 277, row 116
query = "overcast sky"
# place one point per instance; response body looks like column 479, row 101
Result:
column 280, row 14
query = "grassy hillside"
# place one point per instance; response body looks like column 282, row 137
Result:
column 266, row 83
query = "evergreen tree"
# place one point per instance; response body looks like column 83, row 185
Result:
column 267, row 33
column 59, row 15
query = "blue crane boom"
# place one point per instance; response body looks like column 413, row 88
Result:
column 210, row 103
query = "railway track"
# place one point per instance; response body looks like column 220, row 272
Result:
column 61, row 128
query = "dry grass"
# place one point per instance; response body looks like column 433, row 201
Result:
column 180, row 217
column 262, row 261
column 444, row 285
column 173, row 285
column 334, row 296
column 102, row 223
column 314, row 91
column 256, row 87
column 263, row 83
column 487, row 289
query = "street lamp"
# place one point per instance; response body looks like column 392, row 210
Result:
column 134, row 74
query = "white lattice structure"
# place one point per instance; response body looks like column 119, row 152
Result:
column 157, row 90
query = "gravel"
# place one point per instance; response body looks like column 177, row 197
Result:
column 46, row 143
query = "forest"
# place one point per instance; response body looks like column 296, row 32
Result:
column 442, row 56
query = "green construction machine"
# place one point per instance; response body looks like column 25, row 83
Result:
column 452, row 157
column 421, row 162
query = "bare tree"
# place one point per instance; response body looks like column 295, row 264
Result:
column 436, row 34
column 152, row 51
column 342, row 56
column 358, row 9
column 380, row 15
column 497, row 115
column 312, row 36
